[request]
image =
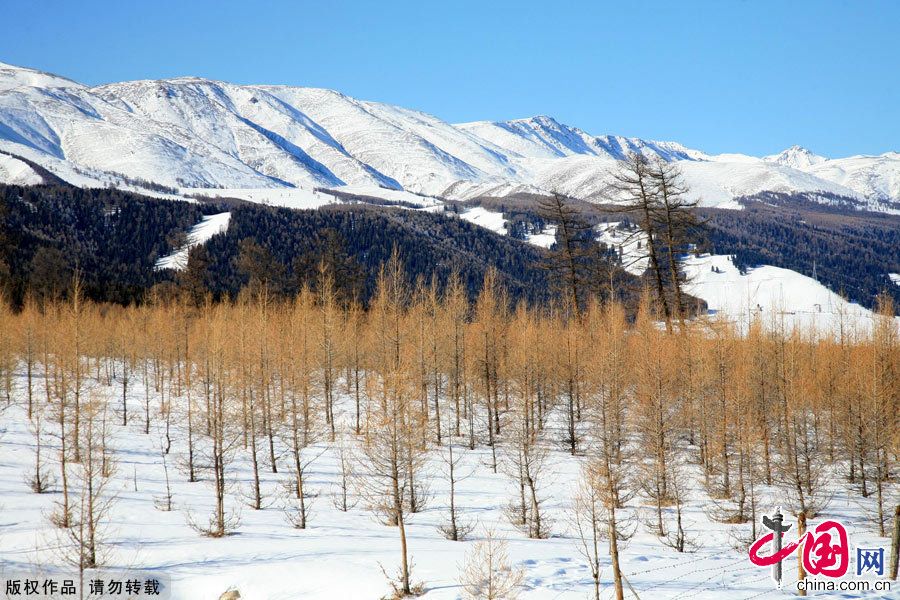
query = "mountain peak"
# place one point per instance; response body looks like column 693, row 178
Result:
column 536, row 121
column 796, row 157
column 543, row 120
column 14, row 76
column 799, row 150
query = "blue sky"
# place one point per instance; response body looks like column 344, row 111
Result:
column 725, row 76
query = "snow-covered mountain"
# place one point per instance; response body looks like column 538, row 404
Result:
column 796, row 157
column 868, row 176
column 544, row 137
column 197, row 133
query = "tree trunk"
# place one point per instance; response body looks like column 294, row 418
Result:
column 614, row 552
column 801, row 530
column 895, row 544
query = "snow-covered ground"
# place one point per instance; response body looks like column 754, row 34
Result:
column 341, row 555
column 545, row 239
column 16, row 172
column 627, row 242
column 295, row 197
column 489, row 219
column 400, row 196
column 772, row 294
column 306, row 197
column 493, row 220
column 199, row 234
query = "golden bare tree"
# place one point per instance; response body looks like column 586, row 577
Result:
column 487, row 573
column 391, row 460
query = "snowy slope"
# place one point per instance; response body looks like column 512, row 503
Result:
column 545, row 239
column 545, row 137
column 866, row 175
column 300, row 198
column 719, row 181
column 269, row 135
column 310, row 198
column 772, row 294
column 627, row 243
column 420, row 151
column 875, row 177
column 83, row 129
column 489, row 219
column 199, row 234
column 197, row 133
column 494, row 221
column 16, row 172
column 715, row 183
column 12, row 76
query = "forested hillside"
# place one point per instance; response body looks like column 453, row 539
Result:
column 365, row 236
column 849, row 251
column 114, row 239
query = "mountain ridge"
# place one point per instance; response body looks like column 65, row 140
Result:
column 192, row 132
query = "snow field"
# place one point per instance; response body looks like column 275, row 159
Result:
column 544, row 239
column 489, row 219
column 628, row 244
column 199, row 234
column 774, row 295
column 16, row 172
column 341, row 555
